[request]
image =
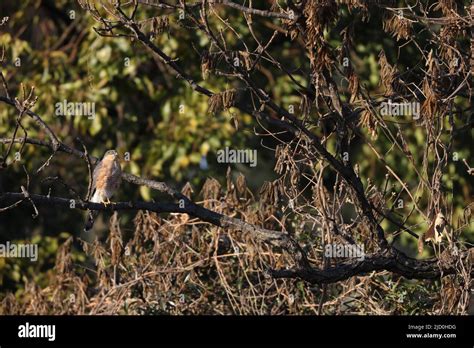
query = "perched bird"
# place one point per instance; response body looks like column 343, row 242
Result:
column 435, row 232
column 105, row 181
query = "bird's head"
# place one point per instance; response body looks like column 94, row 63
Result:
column 112, row 153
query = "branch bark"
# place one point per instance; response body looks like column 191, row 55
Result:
column 390, row 260
column 276, row 238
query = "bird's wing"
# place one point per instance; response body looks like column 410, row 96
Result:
column 95, row 174
column 116, row 169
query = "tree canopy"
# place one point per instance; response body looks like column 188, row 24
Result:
column 358, row 200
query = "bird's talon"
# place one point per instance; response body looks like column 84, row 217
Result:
column 106, row 202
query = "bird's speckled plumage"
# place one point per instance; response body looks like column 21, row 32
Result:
column 105, row 182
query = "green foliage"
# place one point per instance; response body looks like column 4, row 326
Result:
column 144, row 110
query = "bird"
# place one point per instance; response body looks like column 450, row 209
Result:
column 435, row 232
column 106, row 179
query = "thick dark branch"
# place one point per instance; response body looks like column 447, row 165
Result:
column 392, row 261
column 269, row 236
column 186, row 206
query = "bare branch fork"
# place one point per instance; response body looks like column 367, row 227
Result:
column 276, row 238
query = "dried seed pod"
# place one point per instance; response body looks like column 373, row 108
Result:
column 399, row 26
column 63, row 258
column 206, row 65
column 434, row 233
column 369, row 120
column 388, row 76
column 211, row 189
column 221, row 101
column 228, row 98
column 215, row 104
column 187, row 190
column 115, row 240
column 241, row 184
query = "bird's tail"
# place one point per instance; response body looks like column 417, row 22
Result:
column 91, row 215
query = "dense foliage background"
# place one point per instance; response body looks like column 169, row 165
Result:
column 143, row 110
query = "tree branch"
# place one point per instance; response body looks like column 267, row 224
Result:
column 54, row 140
column 391, row 260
